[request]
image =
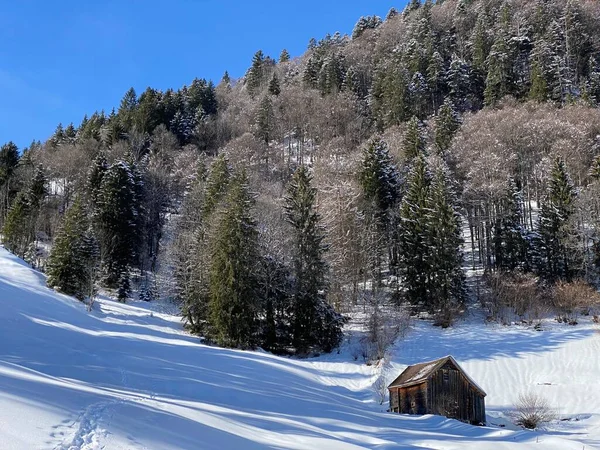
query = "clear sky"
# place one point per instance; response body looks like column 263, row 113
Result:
column 62, row 59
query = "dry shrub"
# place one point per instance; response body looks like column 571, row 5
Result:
column 570, row 299
column 532, row 410
column 510, row 295
column 385, row 323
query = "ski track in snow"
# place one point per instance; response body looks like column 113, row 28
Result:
column 126, row 378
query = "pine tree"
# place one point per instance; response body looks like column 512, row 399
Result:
column 313, row 323
column 539, row 87
column 310, row 76
column 124, row 286
column 9, row 159
column 126, row 113
column 234, row 301
column 447, row 279
column 216, row 185
column 226, row 80
column 461, row 83
column 116, row 219
column 379, row 179
column 480, row 47
column 414, row 242
column 510, row 244
column 72, row 261
column 378, row 176
column 593, row 84
column 274, row 87
column 256, row 73
column 284, row 56
column 20, row 225
column 500, row 62
column 414, row 141
column 436, row 78
column 447, row 123
column 557, row 260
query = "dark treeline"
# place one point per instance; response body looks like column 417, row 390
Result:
column 268, row 206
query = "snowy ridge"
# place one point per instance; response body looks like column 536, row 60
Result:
column 124, row 377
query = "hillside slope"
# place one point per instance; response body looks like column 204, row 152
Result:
column 123, row 377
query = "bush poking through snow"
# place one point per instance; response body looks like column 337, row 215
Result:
column 513, row 296
column 532, row 410
column 570, row 299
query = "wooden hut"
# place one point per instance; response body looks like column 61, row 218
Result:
column 438, row 387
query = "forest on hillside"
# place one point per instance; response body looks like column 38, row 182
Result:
column 374, row 170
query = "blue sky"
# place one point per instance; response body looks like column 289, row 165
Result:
column 60, row 60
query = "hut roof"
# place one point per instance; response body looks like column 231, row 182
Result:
column 418, row 373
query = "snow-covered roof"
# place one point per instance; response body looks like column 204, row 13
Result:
column 418, row 373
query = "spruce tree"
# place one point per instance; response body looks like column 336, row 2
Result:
column 500, row 77
column 510, row 243
column 556, row 259
column 20, row 226
column 72, row 261
column 9, row 159
column 284, row 56
column 379, row 179
column 313, row 323
column 216, row 184
column 256, row 73
column 116, row 219
column 234, row 298
column 447, row 279
column 447, row 123
column 414, row 141
column 539, row 86
column 274, row 87
column 413, row 238
column 378, row 176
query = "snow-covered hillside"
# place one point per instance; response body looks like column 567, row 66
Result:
column 123, row 377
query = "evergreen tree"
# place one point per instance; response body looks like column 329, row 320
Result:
column 284, row 56
column 593, row 85
column 226, row 80
column 234, row 298
column 126, row 113
column 436, row 78
column 413, row 238
column 461, row 83
column 256, row 73
column 313, row 323
column 556, row 258
column 310, row 76
column 414, row 141
column 447, row 123
column 274, row 87
column 20, row 225
column 72, row 261
column 447, row 279
column 378, row 176
column 500, row 62
column 510, row 243
column 379, row 180
column 480, row 47
column 216, row 185
column 539, row 86
column 9, row 159
column 264, row 121
column 124, row 286
column 116, row 219
column 331, row 75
